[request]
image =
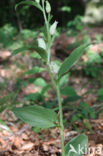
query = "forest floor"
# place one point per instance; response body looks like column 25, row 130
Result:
column 20, row 139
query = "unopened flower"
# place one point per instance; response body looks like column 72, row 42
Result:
column 48, row 7
column 53, row 28
column 41, row 43
column 38, row 1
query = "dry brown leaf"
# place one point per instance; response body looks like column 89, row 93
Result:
column 27, row 147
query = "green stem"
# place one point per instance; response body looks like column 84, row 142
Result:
column 56, row 85
column 61, row 119
column 51, row 77
column 47, row 29
column 61, row 128
column 48, row 34
column 48, row 56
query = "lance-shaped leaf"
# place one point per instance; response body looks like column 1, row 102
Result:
column 76, row 146
column 29, row 2
column 19, row 50
column 37, row 49
column 36, row 116
column 34, row 70
column 72, row 59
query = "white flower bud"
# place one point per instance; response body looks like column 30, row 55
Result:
column 41, row 43
column 53, row 28
column 48, row 7
column 54, row 68
column 37, row 1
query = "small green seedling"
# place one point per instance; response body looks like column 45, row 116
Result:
column 38, row 116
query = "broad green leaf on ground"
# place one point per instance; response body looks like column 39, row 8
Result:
column 100, row 94
column 71, row 60
column 68, row 91
column 37, row 49
column 71, row 94
column 40, row 82
column 33, row 97
column 29, row 2
column 34, row 70
column 36, row 116
column 71, row 99
column 73, row 147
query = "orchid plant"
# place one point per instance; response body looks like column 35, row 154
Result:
column 39, row 116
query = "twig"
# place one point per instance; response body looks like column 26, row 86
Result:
column 16, row 133
column 97, row 105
